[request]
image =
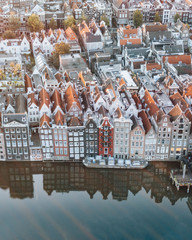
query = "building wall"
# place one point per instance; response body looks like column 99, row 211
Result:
column 122, row 128
column 60, row 141
column 137, row 143
column 91, row 138
column 106, row 138
column 163, row 138
column 179, row 139
column 76, row 136
column 46, row 138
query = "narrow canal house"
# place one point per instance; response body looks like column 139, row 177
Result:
column 180, row 133
column 122, row 128
column 106, row 138
column 16, row 130
column 91, row 138
column 150, row 137
column 163, row 126
column 46, row 138
column 59, row 127
column 60, row 137
column 137, row 136
column 76, row 139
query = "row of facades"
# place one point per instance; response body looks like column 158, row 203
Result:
column 68, row 124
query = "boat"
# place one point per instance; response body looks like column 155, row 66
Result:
column 110, row 162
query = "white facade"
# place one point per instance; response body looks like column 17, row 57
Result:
column 122, row 128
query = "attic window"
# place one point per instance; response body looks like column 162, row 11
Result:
column 23, row 119
column 5, row 119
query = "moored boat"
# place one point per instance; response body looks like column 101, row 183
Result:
column 110, row 162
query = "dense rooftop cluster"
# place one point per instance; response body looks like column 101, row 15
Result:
column 119, row 91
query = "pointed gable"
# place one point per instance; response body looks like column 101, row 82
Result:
column 32, row 99
column 74, row 122
column 45, row 120
column 59, row 118
column 70, row 34
column 175, row 113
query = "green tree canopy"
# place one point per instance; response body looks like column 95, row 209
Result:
column 105, row 19
column 34, row 23
column 52, row 24
column 9, row 35
column 69, row 22
column 176, row 17
column 137, row 18
column 14, row 23
column 60, row 48
column 157, row 17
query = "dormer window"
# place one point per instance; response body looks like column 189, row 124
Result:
column 23, row 119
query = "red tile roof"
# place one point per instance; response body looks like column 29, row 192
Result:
column 178, row 99
column 175, row 112
column 130, row 40
column 56, row 100
column 44, row 98
column 156, row 27
column 28, row 82
column 188, row 92
column 127, row 32
column 151, row 66
column 71, row 97
column 137, row 65
column 150, row 103
column 145, row 120
column 70, row 34
column 136, row 99
column 178, row 58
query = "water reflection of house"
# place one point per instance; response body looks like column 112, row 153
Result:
column 20, row 180
column 67, row 177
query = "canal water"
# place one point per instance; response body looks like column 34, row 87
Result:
column 68, row 201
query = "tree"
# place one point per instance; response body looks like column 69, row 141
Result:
column 14, row 23
column 137, row 18
column 105, row 19
column 60, row 48
column 34, row 23
column 83, row 18
column 52, row 24
column 176, row 17
column 9, row 35
column 69, row 22
column 157, row 17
